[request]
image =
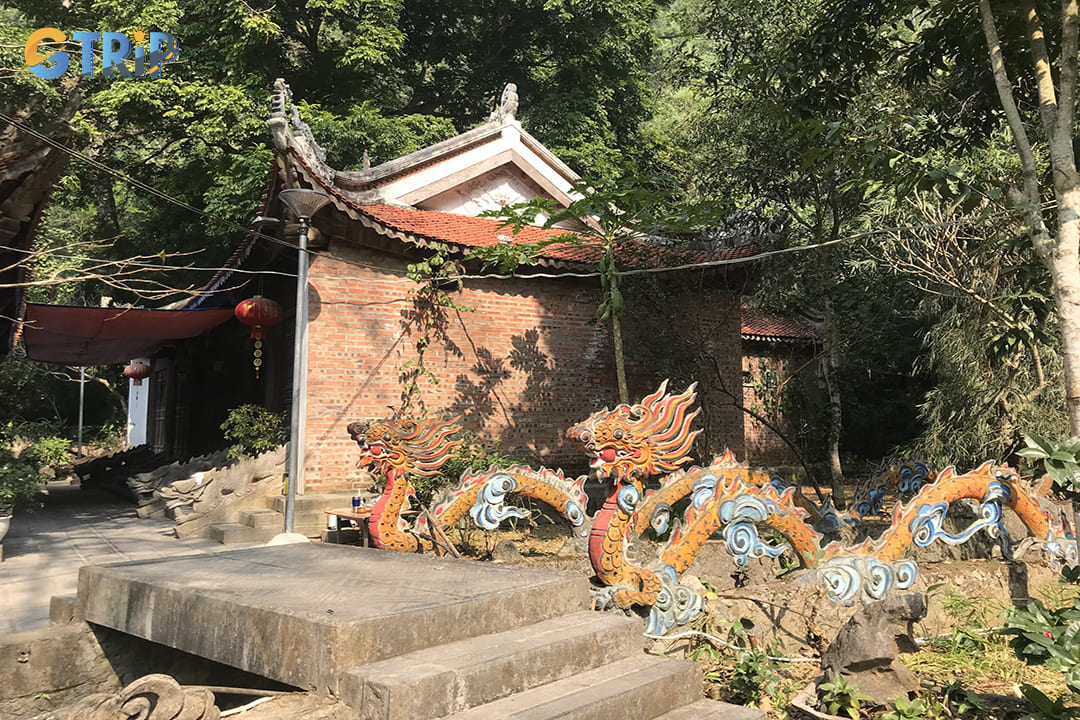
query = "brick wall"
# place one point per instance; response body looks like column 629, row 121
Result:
column 529, row 361
column 781, row 361
column 687, row 329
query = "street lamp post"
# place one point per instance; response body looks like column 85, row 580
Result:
column 304, row 204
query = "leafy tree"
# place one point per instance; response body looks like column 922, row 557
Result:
column 740, row 143
column 984, row 75
column 376, row 79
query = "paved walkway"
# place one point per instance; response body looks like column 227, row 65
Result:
column 44, row 550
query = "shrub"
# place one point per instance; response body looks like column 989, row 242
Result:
column 110, row 437
column 252, row 430
column 18, row 482
column 842, row 697
column 52, row 451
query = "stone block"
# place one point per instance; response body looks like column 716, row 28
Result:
column 44, row 669
column 63, row 609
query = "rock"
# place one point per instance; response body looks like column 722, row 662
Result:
column 866, row 649
column 506, row 552
column 575, row 546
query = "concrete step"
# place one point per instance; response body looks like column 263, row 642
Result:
column 641, row 687
column 450, row 678
column 262, row 518
column 229, row 533
column 312, row 504
column 713, row 710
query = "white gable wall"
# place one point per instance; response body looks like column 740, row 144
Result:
column 492, row 190
column 500, row 171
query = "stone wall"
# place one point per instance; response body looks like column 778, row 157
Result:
column 46, row 670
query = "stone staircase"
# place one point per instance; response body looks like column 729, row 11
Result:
column 258, row 525
column 585, row 665
column 401, row 636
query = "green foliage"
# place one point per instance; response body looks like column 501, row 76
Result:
column 1061, row 460
column 841, row 697
column 754, row 675
column 110, row 436
column 385, row 77
column 252, row 429
column 1050, row 637
column 904, row 709
column 1045, row 708
column 50, row 451
column 967, row 634
column 19, row 482
column 428, row 319
column 962, row 701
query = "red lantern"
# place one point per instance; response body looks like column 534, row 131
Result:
column 259, row 313
column 137, row 371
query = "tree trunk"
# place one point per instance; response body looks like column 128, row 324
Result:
column 620, row 362
column 107, row 217
column 1065, row 271
column 830, row 369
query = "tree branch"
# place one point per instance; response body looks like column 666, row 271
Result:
column 1040, row 236
column 1048, row 105
column 1069, row 49
column 764, row 421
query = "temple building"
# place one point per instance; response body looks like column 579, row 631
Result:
column 518, row 358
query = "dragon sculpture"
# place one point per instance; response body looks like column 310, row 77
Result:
column 628, row 445
column 642, row 451
column 400, row 448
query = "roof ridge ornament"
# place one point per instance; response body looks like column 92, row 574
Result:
column 291, row 132
column 508, row 105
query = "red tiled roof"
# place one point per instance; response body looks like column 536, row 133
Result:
column 468, row 231
column 756, row 326
column 484, row 232
column 472, row 231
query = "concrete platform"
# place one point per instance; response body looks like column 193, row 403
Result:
column 302, row 614
column 45, row 549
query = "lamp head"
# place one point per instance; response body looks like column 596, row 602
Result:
column 304, row 203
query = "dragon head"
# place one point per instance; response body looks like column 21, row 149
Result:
column 648, row 438
column 405, row 446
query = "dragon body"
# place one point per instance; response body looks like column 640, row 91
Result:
column 626, row 445
column 905, row 477
column 483, row 496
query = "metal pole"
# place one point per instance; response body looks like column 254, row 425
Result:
column 296, row 424
column 82, row 396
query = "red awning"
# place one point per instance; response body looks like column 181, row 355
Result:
column 68, row 335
